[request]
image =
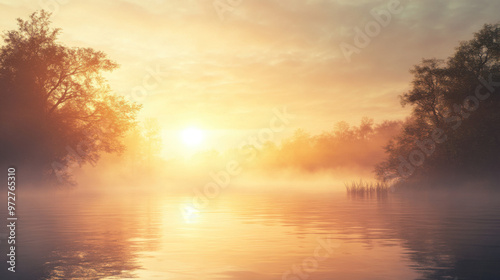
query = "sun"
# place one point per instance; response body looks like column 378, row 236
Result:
column 192, row 136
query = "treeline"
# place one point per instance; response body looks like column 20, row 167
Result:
column 343, row 147
column 453, row 133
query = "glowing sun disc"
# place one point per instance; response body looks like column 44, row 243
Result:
column 192, row 136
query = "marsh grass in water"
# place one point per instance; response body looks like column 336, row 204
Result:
column 367, row 189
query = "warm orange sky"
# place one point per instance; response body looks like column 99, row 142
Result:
column 226, row 75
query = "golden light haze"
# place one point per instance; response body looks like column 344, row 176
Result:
column 190, row 68
column 249, row 145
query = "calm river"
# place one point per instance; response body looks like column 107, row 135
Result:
column 293, row 235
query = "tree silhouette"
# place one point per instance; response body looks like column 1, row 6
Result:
column 454, row 129
column 55, row 106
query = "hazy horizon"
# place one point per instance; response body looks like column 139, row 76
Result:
column 251, row 60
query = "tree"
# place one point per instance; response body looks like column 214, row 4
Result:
column 429, row 87
column 343, row 132
column 459, row 100
column 55, row 106
column 152, row 140
column 365, row 129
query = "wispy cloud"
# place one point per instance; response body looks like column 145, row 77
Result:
column 266, row 54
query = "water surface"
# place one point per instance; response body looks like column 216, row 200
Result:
column 256, row 235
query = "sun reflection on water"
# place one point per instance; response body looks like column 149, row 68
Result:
column 190, row 214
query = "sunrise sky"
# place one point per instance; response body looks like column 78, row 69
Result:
column 225, row 74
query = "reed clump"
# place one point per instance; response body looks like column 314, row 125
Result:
column 367, row 189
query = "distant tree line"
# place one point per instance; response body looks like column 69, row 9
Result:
column 343, row 147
